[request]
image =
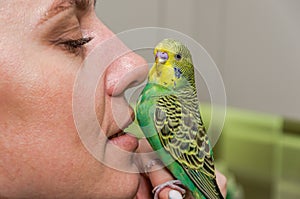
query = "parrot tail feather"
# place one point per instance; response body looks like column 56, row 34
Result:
column 207, row 185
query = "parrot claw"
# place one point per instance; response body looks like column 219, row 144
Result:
column 173, row 184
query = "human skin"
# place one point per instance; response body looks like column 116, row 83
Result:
column 41, row 153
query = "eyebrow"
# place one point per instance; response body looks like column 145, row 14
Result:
column 59, row 6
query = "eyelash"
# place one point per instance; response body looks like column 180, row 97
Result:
column 74, row 46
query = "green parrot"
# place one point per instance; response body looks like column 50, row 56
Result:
column 168, row 114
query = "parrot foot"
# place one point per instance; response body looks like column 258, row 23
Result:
column 173, row 184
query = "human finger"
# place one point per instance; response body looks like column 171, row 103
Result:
column 222, row 183
column 161, row 179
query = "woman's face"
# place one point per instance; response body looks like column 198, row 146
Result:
column 43, row 45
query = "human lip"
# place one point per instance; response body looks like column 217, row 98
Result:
column 125, row 140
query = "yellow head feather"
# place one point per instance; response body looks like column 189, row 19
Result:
column 173, row 67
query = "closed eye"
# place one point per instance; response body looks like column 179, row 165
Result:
column 75, row 46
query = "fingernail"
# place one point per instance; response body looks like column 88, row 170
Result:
column 173, row 194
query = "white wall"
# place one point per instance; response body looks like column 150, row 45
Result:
column 255, row 43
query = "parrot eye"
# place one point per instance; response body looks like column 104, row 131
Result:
column 178, row 57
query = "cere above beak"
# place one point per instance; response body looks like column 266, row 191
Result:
column 161, row 57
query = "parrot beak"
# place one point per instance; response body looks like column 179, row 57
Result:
column 161, row 57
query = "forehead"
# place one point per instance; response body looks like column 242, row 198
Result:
column 23, row 5
column 173, row 46
column 23, row 12
column 29, row 12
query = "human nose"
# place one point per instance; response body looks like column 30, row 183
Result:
column 127, row 71
column 121, row 67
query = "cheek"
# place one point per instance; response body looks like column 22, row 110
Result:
column 34, row 93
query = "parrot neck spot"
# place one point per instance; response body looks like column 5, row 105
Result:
column 177, row 72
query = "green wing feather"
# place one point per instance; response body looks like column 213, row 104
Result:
column 182, row 134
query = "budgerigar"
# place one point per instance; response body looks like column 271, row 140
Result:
column 168, row 114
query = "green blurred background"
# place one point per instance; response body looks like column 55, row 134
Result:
column 261, row 151
column 256, row 45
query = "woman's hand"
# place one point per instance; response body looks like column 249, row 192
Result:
column 160, row 174
column 222, row 183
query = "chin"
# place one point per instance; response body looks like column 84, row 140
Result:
column 119, row 159
column 131, row 185
column 120, row 185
